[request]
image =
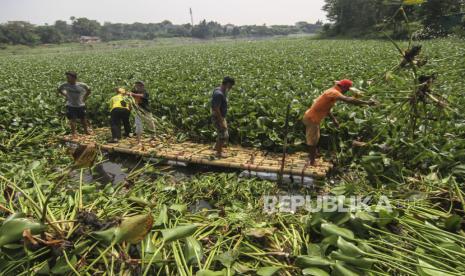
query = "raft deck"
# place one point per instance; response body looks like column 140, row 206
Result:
column 237, row 157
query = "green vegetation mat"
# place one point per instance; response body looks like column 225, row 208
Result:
column 88, row 227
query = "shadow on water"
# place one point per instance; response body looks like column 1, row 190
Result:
column 117, row 167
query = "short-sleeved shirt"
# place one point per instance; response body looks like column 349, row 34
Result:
column 142, row 101
column 322, row 106
column 119, row 101
column 219, row 100
column 74, row 93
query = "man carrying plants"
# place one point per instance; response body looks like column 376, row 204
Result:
column 141, row 98
column 219, row 110
column 321, row 108
column 119, row 112
column 76, row 94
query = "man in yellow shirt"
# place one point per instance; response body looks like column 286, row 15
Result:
column 120, row 111
column 321, row 108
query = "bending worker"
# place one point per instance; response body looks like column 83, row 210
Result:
column 321, row 108
column 120, row 111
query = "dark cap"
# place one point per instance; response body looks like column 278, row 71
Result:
column 140, row 82
column 71, row 73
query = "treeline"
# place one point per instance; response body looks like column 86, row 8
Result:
column 362, row 18
column 20, row 32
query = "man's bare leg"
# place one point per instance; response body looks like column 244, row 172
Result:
column 139, row 139
column 312, row 155
column 219, row 148
column 86, row 126
column 72, row 124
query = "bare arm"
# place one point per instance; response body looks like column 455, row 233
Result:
column 219, row 117
column 354, row 101
column 61, row 91
column 88, row 92
column 136, row 95
column 331, row 115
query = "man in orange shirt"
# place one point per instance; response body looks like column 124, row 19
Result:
column 322, row 108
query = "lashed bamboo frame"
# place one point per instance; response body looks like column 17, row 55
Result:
column 188, row 152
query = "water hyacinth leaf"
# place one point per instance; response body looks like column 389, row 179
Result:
column 242, row 268
column 327, row 243
column 206, row 272
column 386, row 217
column 358, row 262
column 62, row 267
column 151, row 249
column 134, row 229
column 13, row 227
column 179, row 232
column 365, row 247
column 106, row 236
column 268, row 271
column 181, row 208
column 311, row 261
column 192, row 250
column 342, row 269
column 340, row 218
column 365, row 217
column 139, row 201
column 88, row 189
column 228, row 258
column 349, row 248
column 453, row 223
column 43, row 269
column 339, row 190
column 81, row 247
column 426, row 269
column 329, row 229
column 162, row 217
column 34, row 165
column 314, row 271
column 260, row 232
column 314, row 250
column 452, row 247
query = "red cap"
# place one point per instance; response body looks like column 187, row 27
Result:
column 345, row 83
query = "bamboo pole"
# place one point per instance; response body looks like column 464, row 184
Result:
column 283, row 160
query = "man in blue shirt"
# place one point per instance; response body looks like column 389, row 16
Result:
column 219, row 107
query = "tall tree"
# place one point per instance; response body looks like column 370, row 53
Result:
column 20, row 32
column 85, row 27
column 436, row 13
column 49, row 35
column 65, row 29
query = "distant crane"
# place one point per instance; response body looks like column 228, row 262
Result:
column 192, row 16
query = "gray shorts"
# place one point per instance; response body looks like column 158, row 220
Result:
column 139, row 125
column 223, row 134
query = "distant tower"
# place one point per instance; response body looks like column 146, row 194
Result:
column 192, row 16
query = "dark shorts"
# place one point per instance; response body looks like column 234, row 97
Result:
column 73, row 113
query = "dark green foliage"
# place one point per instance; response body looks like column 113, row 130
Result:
column 366, row 17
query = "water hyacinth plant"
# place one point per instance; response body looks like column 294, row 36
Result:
column 59, row 217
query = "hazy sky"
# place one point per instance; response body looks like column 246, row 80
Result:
column 239, row 12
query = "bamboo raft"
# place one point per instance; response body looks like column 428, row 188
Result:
column 237, row 157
